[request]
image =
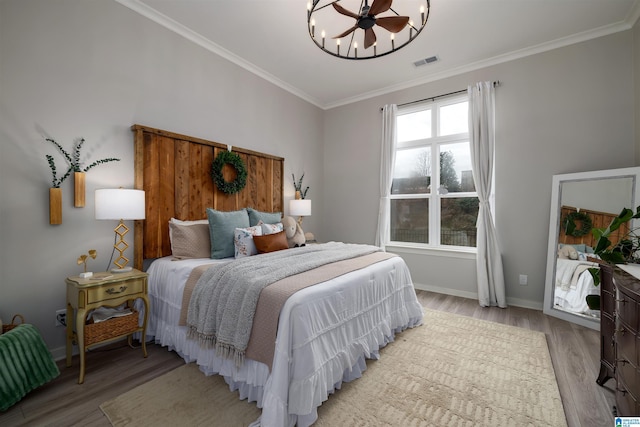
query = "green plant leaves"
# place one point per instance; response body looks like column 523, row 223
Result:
column 227, row 157
column 625, row 248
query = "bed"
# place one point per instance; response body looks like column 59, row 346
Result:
column 573, row 281
column 325, row 332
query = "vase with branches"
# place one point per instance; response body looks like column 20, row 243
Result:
column 55, row 192
column 75, row 166
column 298, row 186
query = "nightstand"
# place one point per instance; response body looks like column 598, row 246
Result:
column 109, row 290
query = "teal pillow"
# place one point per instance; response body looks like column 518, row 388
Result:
column 221, row 228
column 267, row 217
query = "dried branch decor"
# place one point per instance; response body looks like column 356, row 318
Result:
column 75, row 166
column 74, row 161
column 298, row 186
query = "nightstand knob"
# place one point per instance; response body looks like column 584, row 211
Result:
column 112, row 291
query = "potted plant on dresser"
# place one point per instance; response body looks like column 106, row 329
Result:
column 625, row 250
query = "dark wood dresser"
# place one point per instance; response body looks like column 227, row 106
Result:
column 607, row 324
column 620, row 337
column 627, row 343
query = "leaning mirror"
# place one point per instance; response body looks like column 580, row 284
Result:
column 580, row 202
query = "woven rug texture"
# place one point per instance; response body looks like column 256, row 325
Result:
column 451, row 371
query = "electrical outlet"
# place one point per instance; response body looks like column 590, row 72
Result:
column 61, row 317
column 523, row 279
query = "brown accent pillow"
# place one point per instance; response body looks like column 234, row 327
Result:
column 190, row 241
column 271, row 242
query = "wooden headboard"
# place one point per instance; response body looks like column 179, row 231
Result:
column 598, row 220
column 175, row 172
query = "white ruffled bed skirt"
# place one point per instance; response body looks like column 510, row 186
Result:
column 332, row 329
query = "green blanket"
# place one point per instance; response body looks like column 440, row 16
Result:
column 25, row 364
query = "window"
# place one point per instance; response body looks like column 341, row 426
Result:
column 433, row 196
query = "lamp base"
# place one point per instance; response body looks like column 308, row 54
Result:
column 122, row 270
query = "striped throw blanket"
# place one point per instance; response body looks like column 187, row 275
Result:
column 25, row 364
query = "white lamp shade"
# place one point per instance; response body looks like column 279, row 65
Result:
column 300, row 207
column 120, row 203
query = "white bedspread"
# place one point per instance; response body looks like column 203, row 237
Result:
column 573, row 284
column 330, row 330
column 568, row 271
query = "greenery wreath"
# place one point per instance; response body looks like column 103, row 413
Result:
column 231, row 187
column 572, row 229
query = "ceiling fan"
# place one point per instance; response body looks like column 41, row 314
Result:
column 367, row 19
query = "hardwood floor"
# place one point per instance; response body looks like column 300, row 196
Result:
column 115, row 369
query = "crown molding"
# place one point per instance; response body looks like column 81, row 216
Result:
column 499, row 59
column 178, row 28
column 152, row 14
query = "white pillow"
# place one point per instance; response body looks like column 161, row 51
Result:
column 270, row 228
column 243, row 241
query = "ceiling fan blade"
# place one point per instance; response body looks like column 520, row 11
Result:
column 379, row 6
column 344, row 11
column 395, row 24
column 346, row 33
column 369, row 38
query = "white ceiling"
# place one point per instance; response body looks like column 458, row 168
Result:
column 270, row 39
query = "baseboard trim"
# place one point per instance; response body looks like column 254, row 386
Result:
column 60, row 353
column 516, row 302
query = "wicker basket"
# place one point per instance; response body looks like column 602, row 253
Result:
column 13, row 324
column 117, row 326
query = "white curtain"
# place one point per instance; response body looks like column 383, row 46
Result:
column 491, row 290
column 387, row 161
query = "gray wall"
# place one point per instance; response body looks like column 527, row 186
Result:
column 71, row 68
column 93, row 68
column 566, row 110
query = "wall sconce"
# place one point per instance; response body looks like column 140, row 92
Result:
column 120, row 204
column 300, row 208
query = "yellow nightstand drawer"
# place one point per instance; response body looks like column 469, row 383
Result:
column 109, row 291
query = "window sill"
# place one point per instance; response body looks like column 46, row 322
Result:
column 408, row 248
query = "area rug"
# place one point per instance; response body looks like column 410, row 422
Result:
column 451, row 371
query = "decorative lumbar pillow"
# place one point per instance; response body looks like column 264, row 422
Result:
column 266, row 217
column 221, row 228
column 243, row 241
column 190, row 241
column 271, row 242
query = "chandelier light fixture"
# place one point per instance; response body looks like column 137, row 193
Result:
column 355, row 29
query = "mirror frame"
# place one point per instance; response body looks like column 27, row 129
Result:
column 554, row 228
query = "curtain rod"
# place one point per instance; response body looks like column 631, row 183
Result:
column 433, row 98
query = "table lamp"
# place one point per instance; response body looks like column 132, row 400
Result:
column 120, row 204
column 300, row 208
